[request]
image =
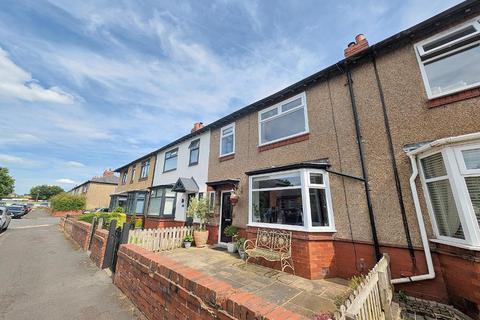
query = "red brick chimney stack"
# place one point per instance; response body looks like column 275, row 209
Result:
column 107, row 173
column 197, row 126
column 353, row 48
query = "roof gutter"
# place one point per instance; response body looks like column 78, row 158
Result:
column 444, row 141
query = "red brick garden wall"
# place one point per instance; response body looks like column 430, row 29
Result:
column 156, row 223
column 99, row 244
column 164, row 289
column 65, row 213
column 80, row 232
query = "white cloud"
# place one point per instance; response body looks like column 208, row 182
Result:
column 75, row 164
column 18, row 84
column 14, row 160
column 65, row 181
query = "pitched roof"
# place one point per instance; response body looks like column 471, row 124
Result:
column 422, row 29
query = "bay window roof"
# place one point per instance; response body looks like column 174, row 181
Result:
column 313, row 164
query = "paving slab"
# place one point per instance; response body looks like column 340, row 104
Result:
column 300, row 295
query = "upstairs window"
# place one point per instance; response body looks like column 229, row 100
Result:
column 227, row 140
column 451, row 181
column 194, row 152
column 144, row 169
column 133, row 175
column 124, row 177
column 284, row 120
column 450, row 61
column 170, row 160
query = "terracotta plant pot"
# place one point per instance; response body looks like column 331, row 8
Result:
column 201, row 237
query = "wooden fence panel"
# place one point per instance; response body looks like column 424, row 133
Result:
column 373, row 297
column 159, row 239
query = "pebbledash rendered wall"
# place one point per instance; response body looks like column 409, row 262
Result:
column 412, row 118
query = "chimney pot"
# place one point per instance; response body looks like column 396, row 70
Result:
column 107, row 173
column 360, row 37
column 353, row 48
column 197, row 126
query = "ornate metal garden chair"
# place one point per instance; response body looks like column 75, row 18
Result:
column 271, row 245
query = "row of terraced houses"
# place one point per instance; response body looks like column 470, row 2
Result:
column 377, row 153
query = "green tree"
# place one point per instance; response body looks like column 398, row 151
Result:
column 45, row 192
column 6, row 183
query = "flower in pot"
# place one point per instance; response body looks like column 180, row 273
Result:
column 231, row 231
column 241, row 247
column 198, row 208
column 233, row 198
column 187, row 241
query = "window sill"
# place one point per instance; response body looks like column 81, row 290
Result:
column 273, row 145
column 143, row 179
column 454, row 97
column 291, row 228
column 169, row 170
column 193, row 164
column 169, row 218
column 455, row 244
column 226, row 158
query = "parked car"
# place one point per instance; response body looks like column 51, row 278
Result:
column 96, row 210
column 29, row 207
column 16, row 211
column 4, row 218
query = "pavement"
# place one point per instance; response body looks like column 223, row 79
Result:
column 43, row 275
column 306, row 297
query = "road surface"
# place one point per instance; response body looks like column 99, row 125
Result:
column 43, row 275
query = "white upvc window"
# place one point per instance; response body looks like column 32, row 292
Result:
column 450, row 61
column 284, row 120
column 451, row 184
column 227, row 140
column 292, row 200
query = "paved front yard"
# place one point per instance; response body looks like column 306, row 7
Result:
column 305, row 297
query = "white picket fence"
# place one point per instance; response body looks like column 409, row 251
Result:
column 372, row 299
column 159, row 239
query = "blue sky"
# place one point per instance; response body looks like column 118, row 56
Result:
column 90, row 85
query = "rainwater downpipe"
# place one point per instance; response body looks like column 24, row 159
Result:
column 358, row 134
column 396, row 175
column 421, row 226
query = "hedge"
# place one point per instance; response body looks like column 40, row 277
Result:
column 67, row 202
column 107, row 218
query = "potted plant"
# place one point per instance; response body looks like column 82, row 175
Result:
column 198, row 208
column 241, row 247
column 187, row 241
column 230, row 231
column 233, row 198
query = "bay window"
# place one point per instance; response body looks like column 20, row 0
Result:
column 162, row 202
column 135, row 202
column 450, row 61
column 283, row 120
column 451, row 182
column 294, row 200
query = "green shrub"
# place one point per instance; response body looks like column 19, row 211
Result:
column 107, row 218
column 188, row 238
column 67, row 202
column 118, row 210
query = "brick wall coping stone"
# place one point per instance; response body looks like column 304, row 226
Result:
column 219, row 297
